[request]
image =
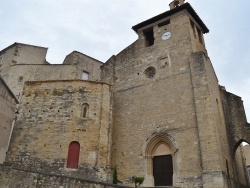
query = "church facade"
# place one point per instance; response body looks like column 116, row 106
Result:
column 154, row 110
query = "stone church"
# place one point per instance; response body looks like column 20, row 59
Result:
column 154, row 110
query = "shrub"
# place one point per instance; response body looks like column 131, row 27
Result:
column 137, row 180
column 115, row 179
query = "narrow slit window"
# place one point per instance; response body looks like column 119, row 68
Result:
column 200, row 36
column 84, row 112
column 149, row 36
column 193, row 28
column 228, row 172
column 85, row 109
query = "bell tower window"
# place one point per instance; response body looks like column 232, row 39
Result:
column 176, row 3
column 149, row 37
column 193, row 28
column 200, row 36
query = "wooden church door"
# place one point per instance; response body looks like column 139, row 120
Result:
column 163, row 170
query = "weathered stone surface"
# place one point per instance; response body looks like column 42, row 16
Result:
column 50, row 118
column 7, row 114
column 29, row 63
column 12, row 177
column 182, row 101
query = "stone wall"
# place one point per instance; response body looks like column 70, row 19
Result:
column 240, row 164
column 219, row 130
column 36, row 73
column 7, row 114
column 19, row 53
column 238, row 130
column 21, row 62
column 86, row 64
column 216, row 152
column 246, row 150
column 235, row 117
column 13, row 177
column 6, row 57
column 28, row 54
column 51, row 117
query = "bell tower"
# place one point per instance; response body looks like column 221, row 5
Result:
column 165, row 92
column 172, row 28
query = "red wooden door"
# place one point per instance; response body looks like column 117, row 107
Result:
column 73, row 155
column 163, row 170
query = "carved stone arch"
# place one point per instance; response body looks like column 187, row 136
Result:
column 159, row 137
column 238, row 143
column 167, row 143
column 237, row 159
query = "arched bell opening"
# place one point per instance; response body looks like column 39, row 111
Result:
column 159, row 158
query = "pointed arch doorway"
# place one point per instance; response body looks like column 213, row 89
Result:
column 159, row 159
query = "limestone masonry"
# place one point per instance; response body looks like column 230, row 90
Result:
column 154, row 110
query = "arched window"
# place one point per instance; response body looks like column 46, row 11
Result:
column 85, row 108
column 85, row 111
column 73, row 155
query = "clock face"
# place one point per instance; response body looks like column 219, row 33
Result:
column 166, row 35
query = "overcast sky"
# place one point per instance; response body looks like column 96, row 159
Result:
column 101, row 28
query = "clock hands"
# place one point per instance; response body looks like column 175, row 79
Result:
column 166, row 35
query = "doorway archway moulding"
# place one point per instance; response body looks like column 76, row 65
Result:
column 159, row 137
column 149, row 148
